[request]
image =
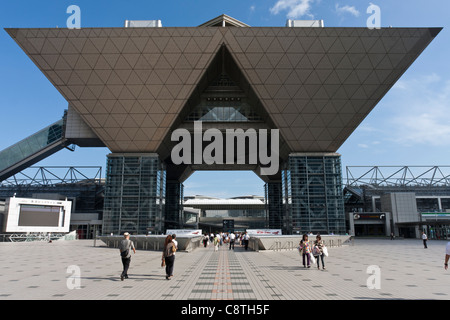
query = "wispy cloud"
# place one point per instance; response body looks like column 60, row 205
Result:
column 423, row 116
column 295, row 8
column 347, row 9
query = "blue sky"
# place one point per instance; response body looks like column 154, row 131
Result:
column 410, row 126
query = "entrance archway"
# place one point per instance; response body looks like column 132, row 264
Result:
column 217, row 198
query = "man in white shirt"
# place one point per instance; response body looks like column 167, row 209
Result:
column 246, row 240
column 232, row 238
column 424, row 238
column 175, row 242
column 447, row 255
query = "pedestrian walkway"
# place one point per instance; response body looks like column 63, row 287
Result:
column 38, row 270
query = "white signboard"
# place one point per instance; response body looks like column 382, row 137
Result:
column 264, row 232
column 37, row 215
column 184, row 232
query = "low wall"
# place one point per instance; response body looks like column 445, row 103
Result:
column 154, row 242
column 188, row 243
column 291, row 242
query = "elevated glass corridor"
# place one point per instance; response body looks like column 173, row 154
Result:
column 32, row 149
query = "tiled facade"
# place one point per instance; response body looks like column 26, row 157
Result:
column 317, row 84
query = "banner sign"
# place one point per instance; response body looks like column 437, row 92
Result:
column 264, row 232
column 184, row 232
column 369, row 216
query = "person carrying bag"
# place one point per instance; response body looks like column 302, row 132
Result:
column 168, row 257
column 305, row 251
column 318, row 251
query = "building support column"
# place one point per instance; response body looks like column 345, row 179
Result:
column 134, row 194
column 274, row 196
column 174, row 205
column 314, row 193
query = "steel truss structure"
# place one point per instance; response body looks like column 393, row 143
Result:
column 55, row 175
column 398, row 176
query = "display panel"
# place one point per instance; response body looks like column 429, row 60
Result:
column 37, row 215
column 43, row 216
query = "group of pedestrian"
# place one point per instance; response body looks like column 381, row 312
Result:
column 447, row 249
column 229, row 238
column 317, row 250
column 167, row 259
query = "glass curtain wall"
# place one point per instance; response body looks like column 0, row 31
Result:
column 174, row 204
column 313, row 196
column 134, row 194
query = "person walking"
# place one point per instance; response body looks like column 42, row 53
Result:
column 175, row 242
column 216, row 242
column 305, row 249
column 232, row 239
column 424, row 238
column 318, row 251
column 168, row 256
column 246, row 240
column 125, row 247
column 205, row 240
column 447, row 255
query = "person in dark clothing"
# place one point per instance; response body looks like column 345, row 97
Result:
column 125, row 247
column 318, row 251
column 168, row 256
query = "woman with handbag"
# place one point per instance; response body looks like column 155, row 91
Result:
column 168, row 257
column 305, row 249
column 318, row 251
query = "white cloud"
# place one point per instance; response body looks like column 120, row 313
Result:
column 347, row 9
column 295, row 8
column 363, row 145
column 422, row 115
column 367, row 128
column 252, row 8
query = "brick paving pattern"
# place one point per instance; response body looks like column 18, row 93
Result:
column 38, row 270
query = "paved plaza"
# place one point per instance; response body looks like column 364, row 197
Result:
column 398, row 269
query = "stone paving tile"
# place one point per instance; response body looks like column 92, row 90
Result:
column 38, row 270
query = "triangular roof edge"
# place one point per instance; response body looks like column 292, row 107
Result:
column 224, row 18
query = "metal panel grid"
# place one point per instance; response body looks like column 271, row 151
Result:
column 313, row 192
column 134, row 194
